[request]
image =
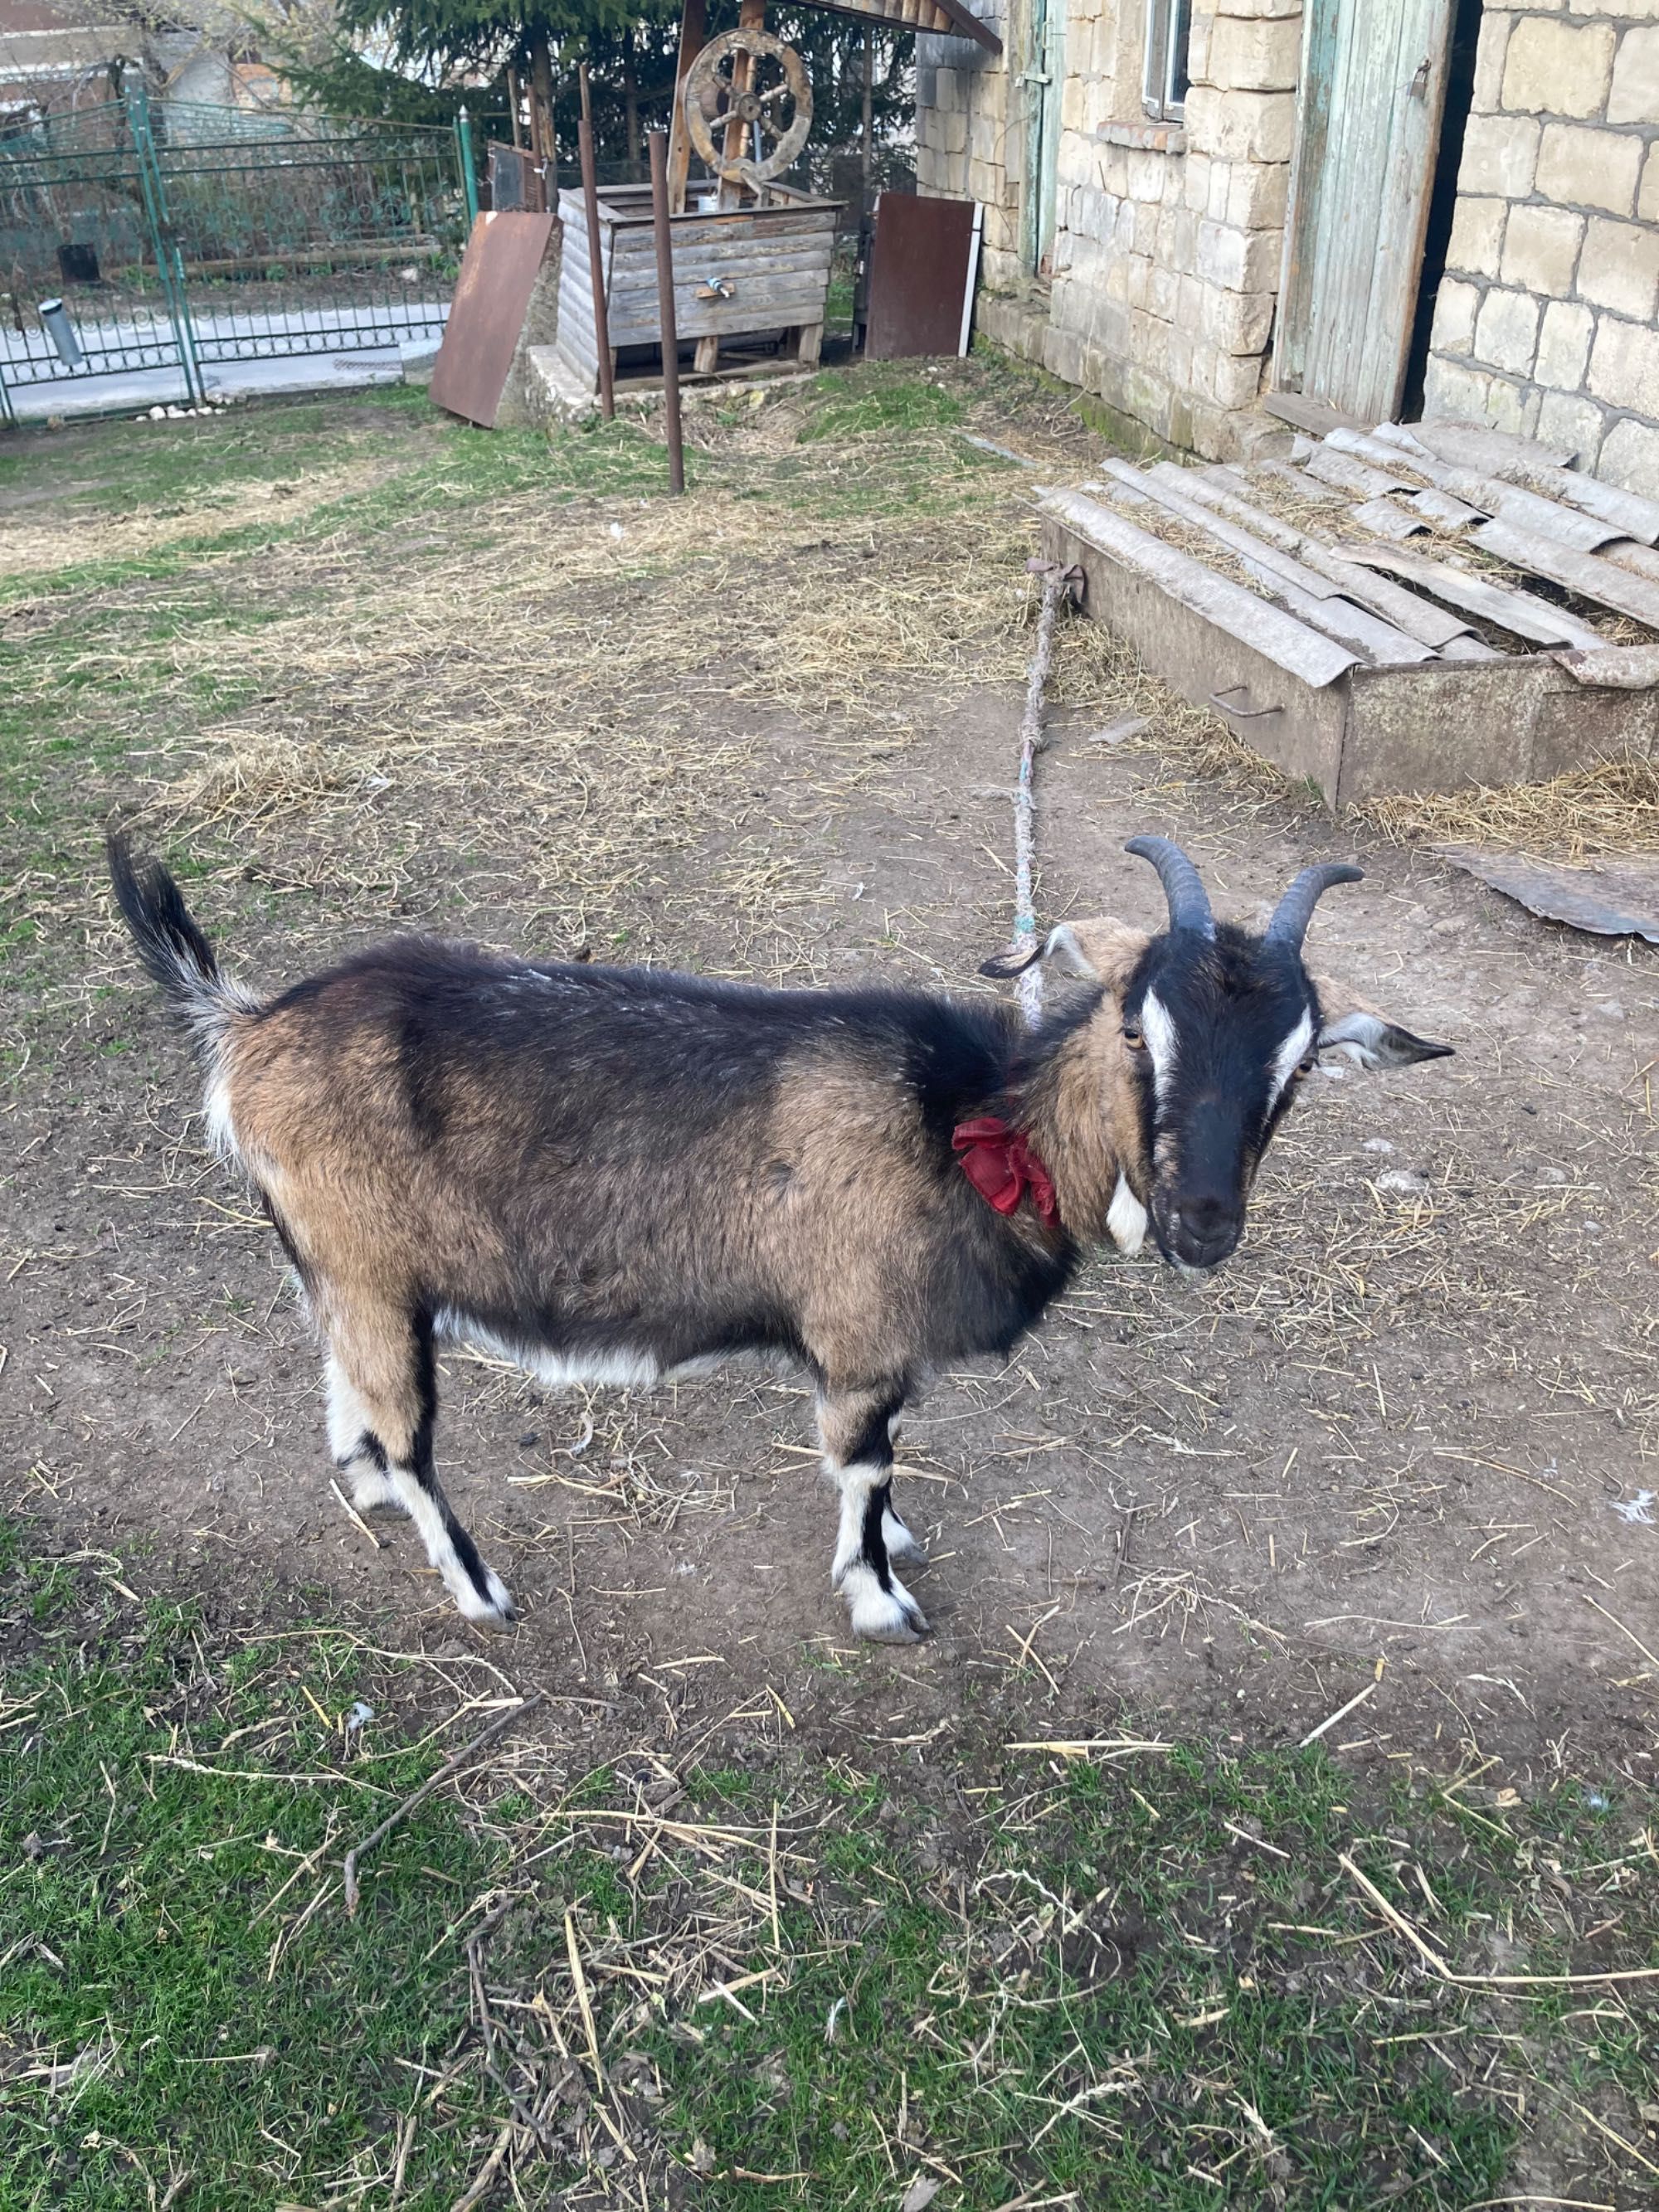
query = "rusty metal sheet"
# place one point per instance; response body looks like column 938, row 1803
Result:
column 921, row 264
column 1518, row 612
column 492, row 293
column 1583, row 572
column 1306, row 654
column 518, row 182
column 1606, row 899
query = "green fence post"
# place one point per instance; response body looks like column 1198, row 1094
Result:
column 169, row 261
column 469, row 174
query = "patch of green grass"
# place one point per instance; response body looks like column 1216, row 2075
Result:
column 160, row 2009
column 867, row 401
column 1150, row 1984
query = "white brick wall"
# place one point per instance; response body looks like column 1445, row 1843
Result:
column 1545, row 319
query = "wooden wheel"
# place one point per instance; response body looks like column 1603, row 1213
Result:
column 743, row 81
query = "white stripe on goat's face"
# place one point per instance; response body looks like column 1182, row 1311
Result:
column 1162, row 1042
column 1290, row 1055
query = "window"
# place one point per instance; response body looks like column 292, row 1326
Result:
column 1169, row 28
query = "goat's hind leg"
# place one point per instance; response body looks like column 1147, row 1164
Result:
column 382, row 1405
column 855, row 1426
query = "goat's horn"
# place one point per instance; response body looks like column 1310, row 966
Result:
column 1295, row 910
column 1189, row 902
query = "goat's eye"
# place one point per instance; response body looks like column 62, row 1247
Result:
column 1307, row 1066
column 1133, row 1038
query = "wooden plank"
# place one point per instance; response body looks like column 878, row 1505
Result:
column 1518, row 612
column 1591, row 579
column 1316, row 417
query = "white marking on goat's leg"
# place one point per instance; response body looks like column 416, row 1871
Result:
column 882, row 1608
column 901, row 1543
column 351, row 1440
column 1126, row 1219
column 479, row 1593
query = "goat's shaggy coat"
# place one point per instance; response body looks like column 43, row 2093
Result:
column 615, row 1174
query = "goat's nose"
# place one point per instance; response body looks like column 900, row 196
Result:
column 1208, row 1218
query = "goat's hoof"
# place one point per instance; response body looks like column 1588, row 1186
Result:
column 900, row 1544
column 881, row 1616
column 493, row 1610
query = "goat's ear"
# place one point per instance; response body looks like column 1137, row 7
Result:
column 1366, row 1037
column 1088, row 952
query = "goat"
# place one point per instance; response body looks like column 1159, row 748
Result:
column 619, row 1174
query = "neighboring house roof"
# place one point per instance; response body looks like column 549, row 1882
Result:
column 946, row 18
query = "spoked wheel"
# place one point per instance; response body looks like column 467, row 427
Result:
column 746, row 83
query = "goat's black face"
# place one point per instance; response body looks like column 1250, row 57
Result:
column 1221, row 1027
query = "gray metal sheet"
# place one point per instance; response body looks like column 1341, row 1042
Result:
column 1418, row 618
column 1616, row 667
column 1607, row 899
column 1547, row 517
column 1279, row 637
column 1518, row 612
column 1311, row 597
column 1385, row 519
column 1576, row 571
column 1627, row 511
column 1467, row 448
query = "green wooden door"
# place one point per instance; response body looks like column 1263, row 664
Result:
column 1373, row 91
column 1043, row 78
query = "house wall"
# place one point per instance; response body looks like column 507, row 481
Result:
column 1544, row 320
column 1169, row 237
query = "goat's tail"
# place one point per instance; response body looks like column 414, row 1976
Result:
column 176, row 954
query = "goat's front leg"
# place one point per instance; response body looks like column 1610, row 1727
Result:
column 856, row 1426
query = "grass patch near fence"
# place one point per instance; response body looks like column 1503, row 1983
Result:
column 1141, row 1979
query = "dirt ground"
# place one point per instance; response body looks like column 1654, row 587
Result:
column 1400, row 1450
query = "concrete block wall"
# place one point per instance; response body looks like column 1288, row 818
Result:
column 1546, row 318
column 970, row 137
column 1168, row 237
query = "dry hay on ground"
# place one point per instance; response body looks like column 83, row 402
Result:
column 1613, row 807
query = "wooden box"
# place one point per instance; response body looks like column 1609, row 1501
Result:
column 737, row 273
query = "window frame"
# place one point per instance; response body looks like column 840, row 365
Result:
column 1164, row 79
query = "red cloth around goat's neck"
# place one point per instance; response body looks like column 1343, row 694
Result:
column 998, row 1161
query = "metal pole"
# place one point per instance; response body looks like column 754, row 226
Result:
column 671, row 343
column 596, row 253
column 469, row 174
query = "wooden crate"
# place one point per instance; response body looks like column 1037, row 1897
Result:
column 774, row 260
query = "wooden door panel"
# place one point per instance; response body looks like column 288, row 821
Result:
column 1374, row 83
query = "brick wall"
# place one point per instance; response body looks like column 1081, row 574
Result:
column 1544, row 322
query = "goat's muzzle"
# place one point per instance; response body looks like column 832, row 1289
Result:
column 1196, row 1232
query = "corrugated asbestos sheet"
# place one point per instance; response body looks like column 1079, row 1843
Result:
column 1392, row 573
column 1392, row 609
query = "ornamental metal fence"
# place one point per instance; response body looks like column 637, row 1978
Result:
column 156, row 251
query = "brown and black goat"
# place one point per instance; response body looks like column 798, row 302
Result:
column 615, row 1174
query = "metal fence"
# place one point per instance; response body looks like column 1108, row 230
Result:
column 153, row 252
